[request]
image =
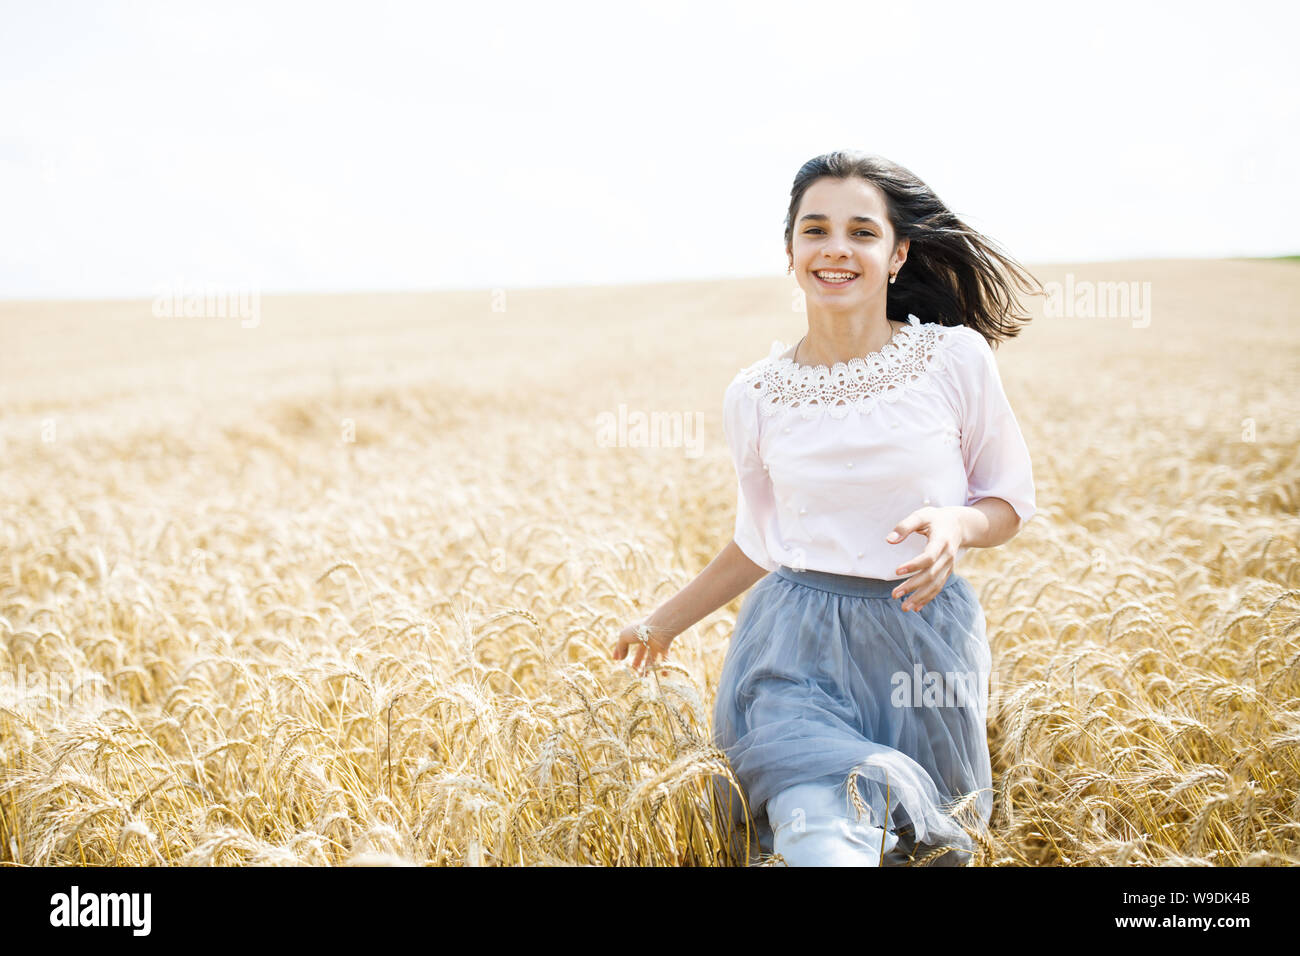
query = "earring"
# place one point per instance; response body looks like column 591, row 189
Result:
column 892, row 277
column 790, row 269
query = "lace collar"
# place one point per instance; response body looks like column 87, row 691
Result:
column 909, row 358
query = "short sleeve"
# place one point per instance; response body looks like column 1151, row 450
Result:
column 992, row 446
column 755, row 503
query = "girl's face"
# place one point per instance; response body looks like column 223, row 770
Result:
column 841, row 227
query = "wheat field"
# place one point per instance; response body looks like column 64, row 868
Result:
column 342, row 588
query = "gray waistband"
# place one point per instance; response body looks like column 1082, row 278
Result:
column 847, row 584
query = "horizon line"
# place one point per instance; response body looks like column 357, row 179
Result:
column 571, row 286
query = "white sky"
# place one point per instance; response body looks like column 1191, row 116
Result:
column 315, row 146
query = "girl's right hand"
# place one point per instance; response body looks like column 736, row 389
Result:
column 651, row 643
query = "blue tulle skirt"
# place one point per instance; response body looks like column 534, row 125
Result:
column 826, row 675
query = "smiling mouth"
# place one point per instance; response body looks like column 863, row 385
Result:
column 834, row 277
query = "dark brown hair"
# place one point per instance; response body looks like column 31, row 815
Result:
column 954, row 275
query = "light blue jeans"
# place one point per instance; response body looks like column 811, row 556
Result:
column 816, row 824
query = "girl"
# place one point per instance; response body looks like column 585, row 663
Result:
column 853, row 696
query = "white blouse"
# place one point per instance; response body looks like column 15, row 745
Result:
column 828, row 460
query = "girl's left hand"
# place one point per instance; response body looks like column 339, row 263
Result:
column 943, row 527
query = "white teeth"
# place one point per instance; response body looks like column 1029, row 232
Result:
column 835, row 276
